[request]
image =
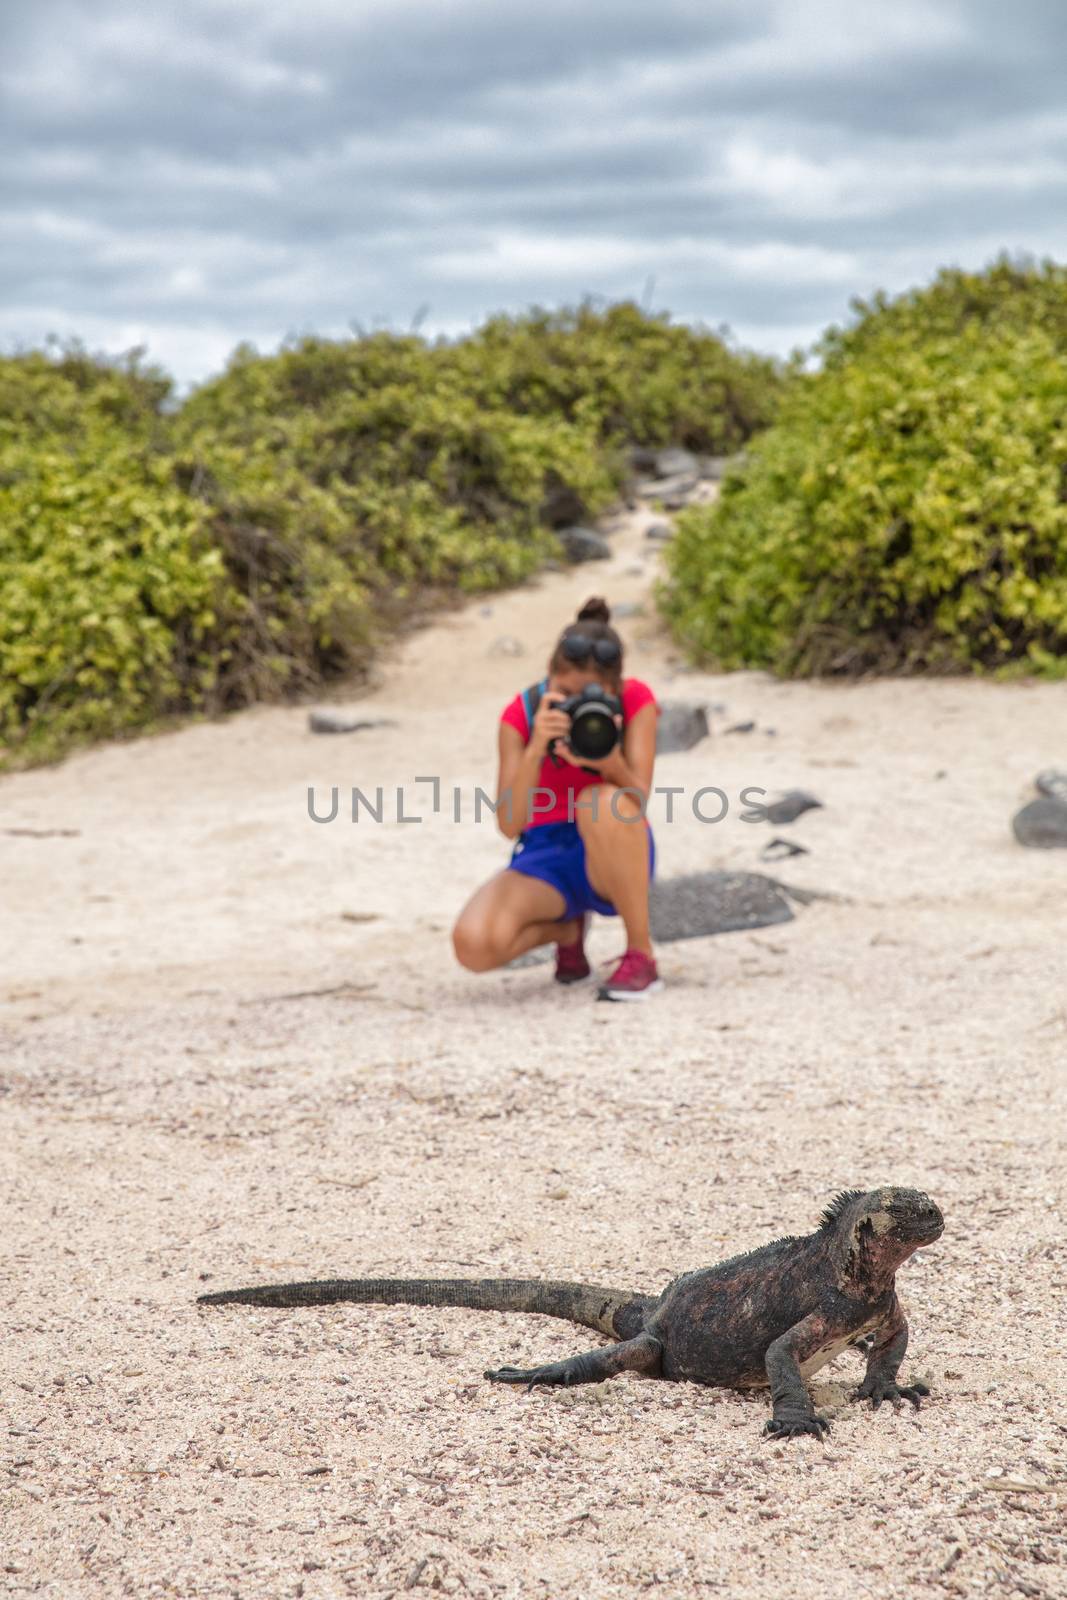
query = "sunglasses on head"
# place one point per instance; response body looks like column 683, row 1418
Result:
column 579, row 647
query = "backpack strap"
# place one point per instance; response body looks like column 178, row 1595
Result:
column 531, row 699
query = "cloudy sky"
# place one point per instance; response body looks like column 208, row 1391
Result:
column 190, row 173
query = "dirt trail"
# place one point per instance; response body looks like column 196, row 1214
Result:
column 236, row 1045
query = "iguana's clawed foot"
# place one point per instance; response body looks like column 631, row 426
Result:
column 559, row 1372
column 791, row 1424
column 877, row 1392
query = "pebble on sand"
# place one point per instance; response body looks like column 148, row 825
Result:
column 582, row 544
column 680, row 726
column 1042, row 825
column 791, row 806
column 344, row 722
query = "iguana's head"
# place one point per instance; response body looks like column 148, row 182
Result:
column 876, row 1229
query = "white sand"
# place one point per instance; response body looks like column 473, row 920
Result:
column 170, row 1121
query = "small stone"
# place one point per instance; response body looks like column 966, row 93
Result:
column 680, row 726
column 507, row 646
column 1042, row 825
column 673, row 492
column 742, row 727
column 781, row 849
column 626, row 608
column 713, row 467
column 674, row 463
column 1052, row 782
column 582, row 544
column 561, row 504
column 345, row 722
column 791, row 806
column 659, row 530
column 643, row 457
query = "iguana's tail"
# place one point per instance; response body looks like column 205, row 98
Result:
column 616, row 1312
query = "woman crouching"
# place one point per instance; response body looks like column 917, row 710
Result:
column 582, row 841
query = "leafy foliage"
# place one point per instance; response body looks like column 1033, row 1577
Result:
column 110, row 587
column 908, row 511
column 260, row 539
column 635, row 377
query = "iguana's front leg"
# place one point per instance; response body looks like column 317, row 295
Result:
column 792, row 1411
column 883, row 1364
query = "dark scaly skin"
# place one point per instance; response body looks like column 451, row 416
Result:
column 765, row 1319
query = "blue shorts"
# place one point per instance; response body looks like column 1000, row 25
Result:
column 555, row 853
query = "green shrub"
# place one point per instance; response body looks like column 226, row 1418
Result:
column 109, row 586
column 908, row 511
column 263, row 537
column 636, row 377
column 345, row 517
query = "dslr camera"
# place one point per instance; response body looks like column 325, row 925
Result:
column 594, row 733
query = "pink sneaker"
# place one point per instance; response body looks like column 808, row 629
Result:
column 571, row 963
column 635, row 978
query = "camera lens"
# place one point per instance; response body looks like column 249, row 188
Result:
column 593, row 732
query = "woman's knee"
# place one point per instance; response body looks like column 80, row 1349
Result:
column 470, row 944
column 476, row 943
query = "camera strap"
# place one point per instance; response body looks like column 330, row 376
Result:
column 531, row 699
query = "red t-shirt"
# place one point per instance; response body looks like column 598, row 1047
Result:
column 565, row 780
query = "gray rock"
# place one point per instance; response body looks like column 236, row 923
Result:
column 679, row 497
column 672, row 491
column 713, row 467
column 659, row 530
column 643, row 457
column 561, row 504
column 507, row 646
column 582, row 544
column 791, row 806
column 674, row 463
column 627, row 608
column 742, row 727
column 680, row 726
column 1052, row 782
column 1042, row 825
column 781, row 849
column 702, row 903
column 344, row 722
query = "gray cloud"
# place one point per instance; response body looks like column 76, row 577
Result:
column 199, row 172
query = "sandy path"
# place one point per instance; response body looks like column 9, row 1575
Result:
column 168, row 1119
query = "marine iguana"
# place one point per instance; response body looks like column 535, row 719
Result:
column 769, row 1318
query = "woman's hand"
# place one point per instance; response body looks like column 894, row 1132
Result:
column 549, row 723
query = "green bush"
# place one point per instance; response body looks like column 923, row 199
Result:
column 908, row 511
column 344, row 518
column 636, row 377
column 109, row 585
column 262, row 538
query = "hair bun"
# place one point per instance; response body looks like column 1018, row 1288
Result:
column 595, row 609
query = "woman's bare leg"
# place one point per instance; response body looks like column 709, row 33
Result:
column 616, row 857
column 506, row 917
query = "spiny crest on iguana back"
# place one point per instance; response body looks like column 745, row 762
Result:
column 838, row 1204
